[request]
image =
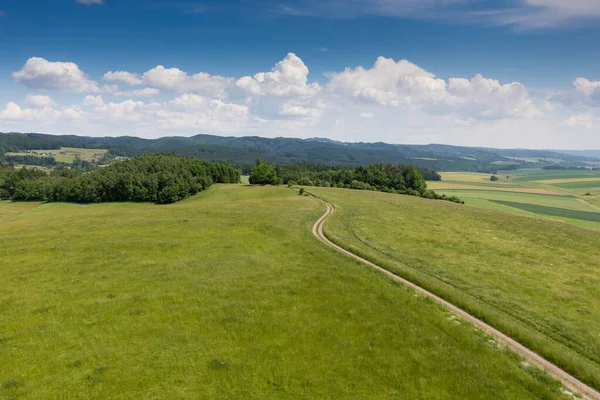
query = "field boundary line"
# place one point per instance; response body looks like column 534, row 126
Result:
column 570, row 382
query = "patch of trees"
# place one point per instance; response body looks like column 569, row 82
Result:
column 264, row 174
column 31, row 160
column 401, row 179
column 158, row 178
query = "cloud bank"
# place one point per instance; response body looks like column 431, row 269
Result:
column 391, row 100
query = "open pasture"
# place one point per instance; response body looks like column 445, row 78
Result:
column 224, row 295
column 535, row 279
column 526, row 175
column 546, row 194
column 553, row 211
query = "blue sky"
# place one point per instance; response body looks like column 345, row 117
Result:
column 520, row 73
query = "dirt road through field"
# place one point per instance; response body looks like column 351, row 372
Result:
column 569, row 381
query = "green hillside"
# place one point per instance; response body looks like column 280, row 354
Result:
column 535, row 279
column 226, row 295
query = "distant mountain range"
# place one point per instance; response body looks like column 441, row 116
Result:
column 245, row 151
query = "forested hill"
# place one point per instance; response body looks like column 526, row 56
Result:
column 245, row 151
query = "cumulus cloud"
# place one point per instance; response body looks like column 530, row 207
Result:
column 93, row 101
column 404, row 84
column 39, row 101
column 289, row 77
column 39, row 73
column 123, row 77
column 586, row 121
column 13, row 111
column 176, row 80
column 147, row 92
column 586, row 86
column 410, row 103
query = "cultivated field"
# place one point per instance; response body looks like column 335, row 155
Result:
column 228, row 295
column 66, row 154
column 544, row 194
column 537, row 280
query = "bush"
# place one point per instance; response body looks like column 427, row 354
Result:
column 305, row 182
column 494, row 178
column 264, row 174
column 301, row 192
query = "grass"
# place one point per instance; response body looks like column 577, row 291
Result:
column 553, row 211
column 568, row 190
column 528, row 175
column 579, row 185
column 66, row 154
column 536, row 280
column 560, row 201
column 225, row 295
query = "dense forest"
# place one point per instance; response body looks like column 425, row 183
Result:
column 159, row 178
column 389, row 178
column 243, row 151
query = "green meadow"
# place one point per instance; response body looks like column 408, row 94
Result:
column 227, row 295
column 571, row 196
column 66, row 154
column 537, row 280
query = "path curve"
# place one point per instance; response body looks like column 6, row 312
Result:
column 569, row 381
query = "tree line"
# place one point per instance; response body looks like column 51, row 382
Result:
column 401, row 179
column 158, row 178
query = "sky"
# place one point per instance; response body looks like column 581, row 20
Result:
column 497, row 73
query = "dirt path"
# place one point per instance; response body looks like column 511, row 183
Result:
column 570, row 382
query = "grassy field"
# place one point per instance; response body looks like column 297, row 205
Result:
column 533, row 193
column 536, row 280
column 226, row 295
column 553, row 211
column 67, row 154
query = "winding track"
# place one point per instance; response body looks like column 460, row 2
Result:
column 569, row 381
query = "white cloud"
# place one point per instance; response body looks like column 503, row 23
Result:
column 296, row 110
column 289, row 77
column 93, row 101
column 147, row 92
column 12, row 111
column 586, row 86
column 393, row 101
column 39, row 101
column 123, row 77
column 176, row 80
column 39, row 73
column 586, row 121
column 404, row 84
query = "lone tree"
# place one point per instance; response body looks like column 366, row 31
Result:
column 264, row 174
